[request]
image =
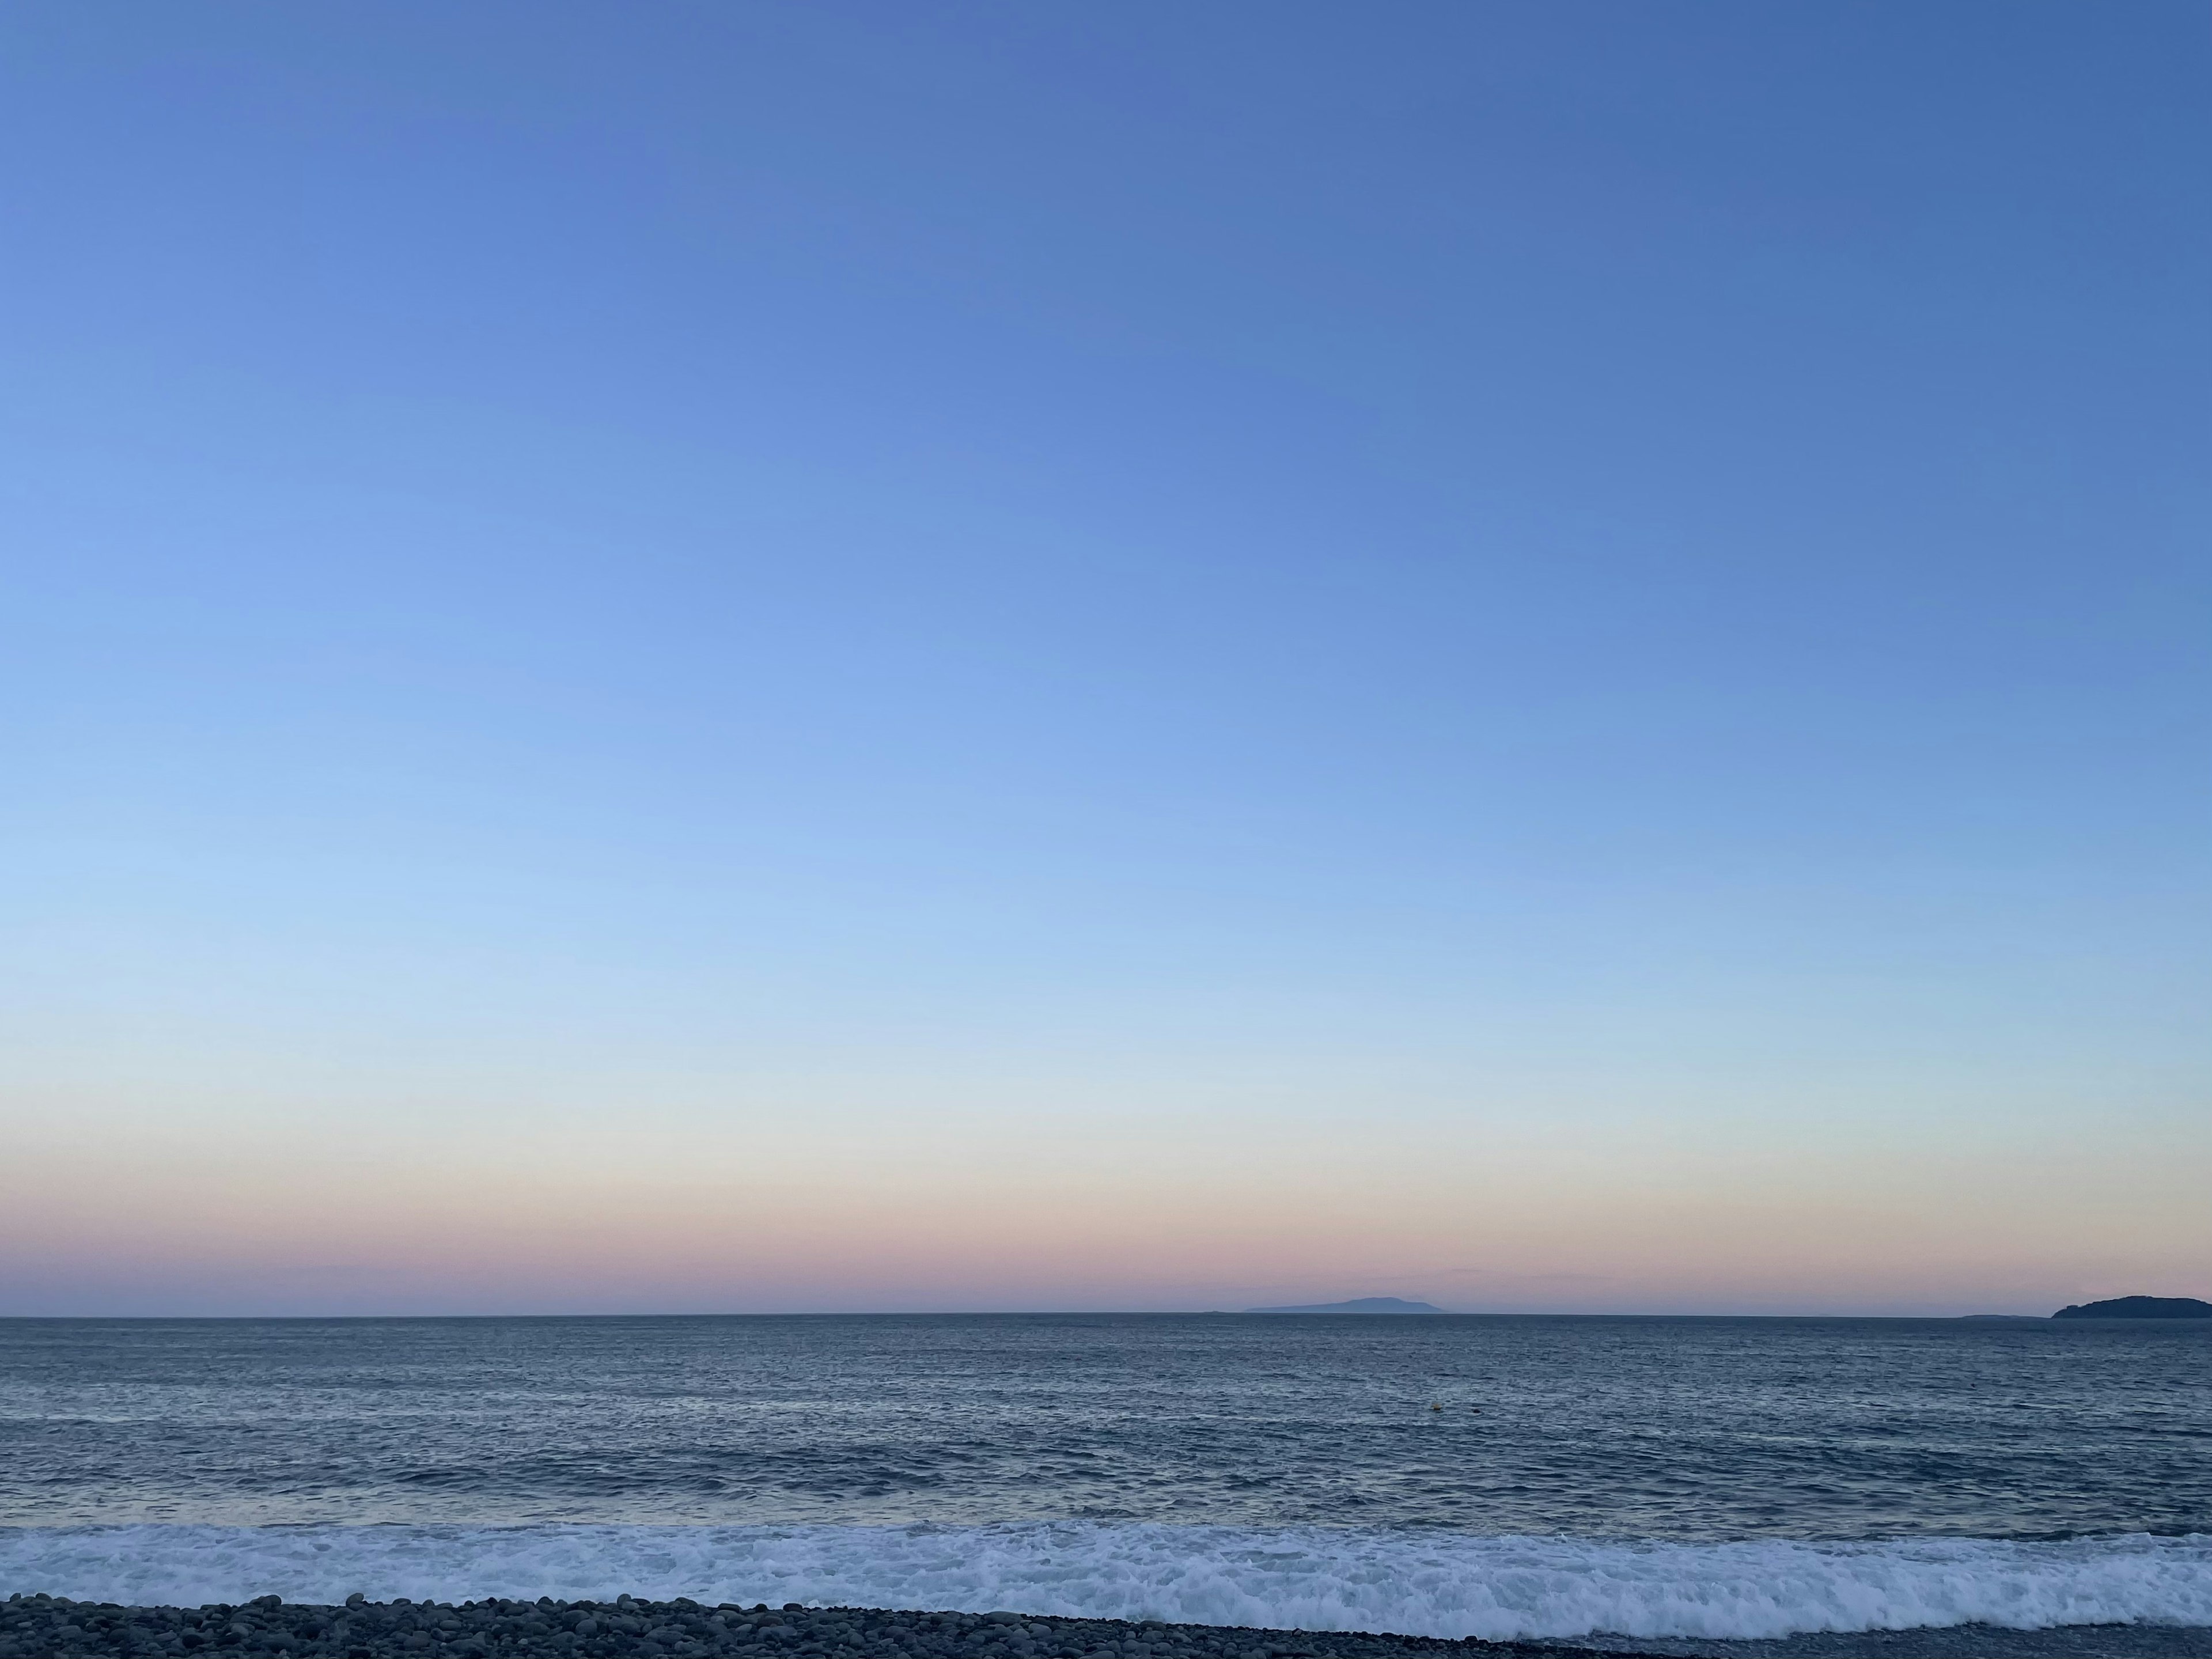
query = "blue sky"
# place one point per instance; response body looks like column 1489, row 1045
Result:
column 1559, row 644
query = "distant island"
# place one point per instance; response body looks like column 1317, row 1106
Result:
column 1365, row 1304
column 2139, row 1307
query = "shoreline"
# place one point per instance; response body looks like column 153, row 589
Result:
column 37, row 1626
column 40, row 1626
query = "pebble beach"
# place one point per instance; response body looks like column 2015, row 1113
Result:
column 54, row 1627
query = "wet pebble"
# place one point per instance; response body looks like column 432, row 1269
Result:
column 53, row 1627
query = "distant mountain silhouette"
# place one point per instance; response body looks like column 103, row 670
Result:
column 2139, row 1307
column 1365, row 1304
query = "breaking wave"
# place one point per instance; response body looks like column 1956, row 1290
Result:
column 1426, row 1583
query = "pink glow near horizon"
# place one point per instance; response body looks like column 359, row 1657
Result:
column 299, row 1229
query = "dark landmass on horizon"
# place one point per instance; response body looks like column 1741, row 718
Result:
column 1359, row 1304
column 2139, row 1307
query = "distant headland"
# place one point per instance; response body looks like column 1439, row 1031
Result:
column 1364, row 1304
column 2139, row 1307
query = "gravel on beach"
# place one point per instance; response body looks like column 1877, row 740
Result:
column 53, row 1627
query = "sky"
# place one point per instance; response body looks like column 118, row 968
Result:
column 1552, row 656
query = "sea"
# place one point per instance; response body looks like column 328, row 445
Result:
column 1674, row 1485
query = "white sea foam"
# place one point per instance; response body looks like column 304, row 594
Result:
column 1311, row 1578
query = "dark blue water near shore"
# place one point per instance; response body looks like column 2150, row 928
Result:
column 1680, row 1477
column 1682, row 1429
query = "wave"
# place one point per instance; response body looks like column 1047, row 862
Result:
column 1422, row 1583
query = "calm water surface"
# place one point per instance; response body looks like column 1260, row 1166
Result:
column 1682, row 1429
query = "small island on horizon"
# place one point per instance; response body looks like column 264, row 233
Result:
column 1363, row 1304
column 2139, row 1307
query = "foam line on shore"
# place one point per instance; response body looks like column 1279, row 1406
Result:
column 1423, row 1584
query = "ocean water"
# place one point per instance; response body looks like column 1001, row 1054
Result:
column 1683, row 1478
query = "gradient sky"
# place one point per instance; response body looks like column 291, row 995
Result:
column 749, row 657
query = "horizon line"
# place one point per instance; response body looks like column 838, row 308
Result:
column 1006, row 1313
